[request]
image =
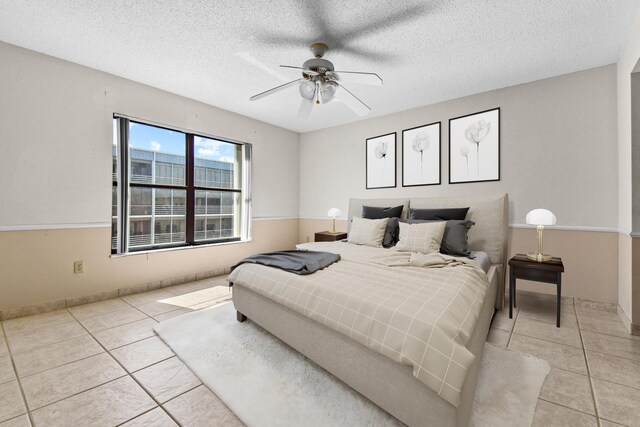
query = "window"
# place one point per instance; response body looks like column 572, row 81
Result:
column 176, row 188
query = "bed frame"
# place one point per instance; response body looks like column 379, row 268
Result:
column 385, row 382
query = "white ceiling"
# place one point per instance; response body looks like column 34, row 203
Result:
column 222, row 52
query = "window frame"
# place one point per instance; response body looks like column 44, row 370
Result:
column 123, row 183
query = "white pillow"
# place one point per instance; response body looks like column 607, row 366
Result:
column 424, row 238
column 368, row 232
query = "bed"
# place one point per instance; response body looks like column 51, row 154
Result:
column 386, row 382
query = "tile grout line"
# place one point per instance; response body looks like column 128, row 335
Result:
column 160, row 405
column 126, row 373
column 512, row 327
column 586, row 360
column 15, row 371
column 568, row 407
column 106, row 351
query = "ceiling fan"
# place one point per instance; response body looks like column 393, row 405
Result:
column 321, row 83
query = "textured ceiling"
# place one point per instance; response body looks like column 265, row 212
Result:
column 222, row 52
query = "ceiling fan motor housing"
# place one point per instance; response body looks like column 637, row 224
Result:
column 318, row 65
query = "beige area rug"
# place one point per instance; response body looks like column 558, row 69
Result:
column 267, row 383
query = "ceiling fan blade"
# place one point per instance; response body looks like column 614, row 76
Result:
column 274, row 90
column 305, row 108
column 360, row 77
column 306, row 70
column 386, row 22
column 352, row 101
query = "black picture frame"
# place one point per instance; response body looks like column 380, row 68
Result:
column 380, row 168
column 408, row 180
column 461, row 145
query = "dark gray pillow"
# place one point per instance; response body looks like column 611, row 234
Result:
column 441, row 214
column 375, row 212
column 454, row 241
column 392, row 230
column 391, row 233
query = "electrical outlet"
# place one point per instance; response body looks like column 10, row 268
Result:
column 78, row 267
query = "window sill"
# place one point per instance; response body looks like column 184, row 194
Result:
column 181, row 248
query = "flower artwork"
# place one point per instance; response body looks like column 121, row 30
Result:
column 381, row 161
column 475, row 133
column 474, row 147
column 421, row 155
column 420, row 143
column 464, row 152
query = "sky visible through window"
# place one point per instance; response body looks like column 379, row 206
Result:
column 173, row 142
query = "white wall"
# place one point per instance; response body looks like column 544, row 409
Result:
column 56, row 136
column 55, row 171
column 558, row 151
column 628, row 60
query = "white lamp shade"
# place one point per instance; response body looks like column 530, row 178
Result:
column 541, row 217
column 334, row 213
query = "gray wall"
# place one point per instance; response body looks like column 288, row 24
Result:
column 558, row 151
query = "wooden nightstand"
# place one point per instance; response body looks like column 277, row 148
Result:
column 328, row 236
column 550, row 271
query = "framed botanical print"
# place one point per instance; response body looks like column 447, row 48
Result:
column 381, row 161
column 421, row 155
column 474, row 147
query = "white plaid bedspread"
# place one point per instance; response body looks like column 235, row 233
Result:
column 421, row 317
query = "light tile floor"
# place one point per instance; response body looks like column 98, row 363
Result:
column 595, row 363
column 102, row 364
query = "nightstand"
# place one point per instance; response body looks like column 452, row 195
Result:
column 328, row 236
column 550, row 271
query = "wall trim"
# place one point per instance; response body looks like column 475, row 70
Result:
column 271, row 218
column 573, row 228
column 635, row 234
column 555, row 227
column 33, row 227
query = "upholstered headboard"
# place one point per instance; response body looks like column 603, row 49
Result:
column 491, row 215
column 489, row 234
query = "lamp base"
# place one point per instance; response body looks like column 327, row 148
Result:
column 538, row 257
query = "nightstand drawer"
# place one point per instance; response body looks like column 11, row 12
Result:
column 327, row 236
column 533, row 274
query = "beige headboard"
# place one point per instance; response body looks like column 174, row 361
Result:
column 489, row 234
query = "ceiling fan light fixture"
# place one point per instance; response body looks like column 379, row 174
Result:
column 307, row 89
column 328, row 91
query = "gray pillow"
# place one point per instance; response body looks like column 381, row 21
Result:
column 441, row 214
column 391, row 233
column 455, row 241
column 377, row 212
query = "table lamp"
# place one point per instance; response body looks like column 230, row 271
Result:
column 540, row 218
column 333, row 213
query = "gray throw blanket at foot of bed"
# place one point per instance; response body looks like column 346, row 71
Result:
column 298, row 262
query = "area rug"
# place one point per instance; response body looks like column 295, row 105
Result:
column 266, row 383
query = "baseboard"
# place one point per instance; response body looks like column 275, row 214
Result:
column 625, row 320
column 46, row 307
column 635, row 329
